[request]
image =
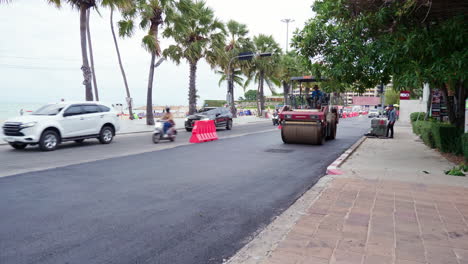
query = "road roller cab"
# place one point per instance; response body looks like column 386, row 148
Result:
column 308, row 120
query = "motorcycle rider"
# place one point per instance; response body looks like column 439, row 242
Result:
column 169, row 120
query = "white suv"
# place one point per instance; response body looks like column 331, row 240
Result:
column 55, row 123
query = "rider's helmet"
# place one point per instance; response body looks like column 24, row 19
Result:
column 168, row 109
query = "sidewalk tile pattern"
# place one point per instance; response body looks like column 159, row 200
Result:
column 380, row 222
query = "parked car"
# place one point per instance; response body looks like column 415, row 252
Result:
column 53, row 124
column 374, row 113
column 221, row 115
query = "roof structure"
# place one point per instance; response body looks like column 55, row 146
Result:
column 366, row 100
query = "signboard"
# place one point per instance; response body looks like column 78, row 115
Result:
column 404, row 95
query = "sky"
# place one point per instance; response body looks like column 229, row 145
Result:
column 40, row 54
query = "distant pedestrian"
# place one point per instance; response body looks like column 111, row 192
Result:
column 21, row 111
column 392, row 116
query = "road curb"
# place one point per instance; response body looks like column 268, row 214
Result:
column 333, row 168
column 266, row 240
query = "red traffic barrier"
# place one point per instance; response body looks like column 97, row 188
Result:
column 203, row 131
column 344, row 115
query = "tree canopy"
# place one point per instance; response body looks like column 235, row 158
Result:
column 360, row 44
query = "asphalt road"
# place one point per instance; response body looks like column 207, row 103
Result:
column 196, row 203
column 31, row 159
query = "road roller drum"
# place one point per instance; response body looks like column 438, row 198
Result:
column 302, row 133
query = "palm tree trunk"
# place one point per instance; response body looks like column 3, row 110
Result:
column 262, row 97
column 193, row 88
column 130, row 111
column 84, row 54
column 231, row 94
column 91, row 57
column 285, row 92
column 149, row 95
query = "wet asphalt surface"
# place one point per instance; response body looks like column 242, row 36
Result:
column 196, row 203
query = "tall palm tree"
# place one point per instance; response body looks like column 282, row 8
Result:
column 83, row 6
column 195, row 31
column 91, row 56
column 124, row 5
column 152, row 15
column 237, row 42
column 264, row 69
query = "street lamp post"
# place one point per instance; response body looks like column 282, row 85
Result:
column 287, row 21
column 230, row 92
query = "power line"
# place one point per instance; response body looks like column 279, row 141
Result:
column 37, row 58
column 11, row 66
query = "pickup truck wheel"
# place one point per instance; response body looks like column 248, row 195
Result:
column 229, row 125
column 49, row 140
column 79, row 141
column 18, row 145
column 106, row 135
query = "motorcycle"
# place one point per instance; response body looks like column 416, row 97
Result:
column 158, row 133
column 275, row 119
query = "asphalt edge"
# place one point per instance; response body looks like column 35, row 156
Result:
column 265, row 241
column 333, row 168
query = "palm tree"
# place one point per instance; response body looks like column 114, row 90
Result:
column 221, row 57
column 264, row 69
column 153, row 14
column 83, row 6
column 91, row 57
column 195, row 31
column 124, row 5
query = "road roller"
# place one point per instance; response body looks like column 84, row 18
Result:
column 306, row 119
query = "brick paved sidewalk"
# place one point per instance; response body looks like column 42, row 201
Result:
column 379, row 221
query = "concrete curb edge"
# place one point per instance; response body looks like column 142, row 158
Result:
column 266, row 239
column 332, row 169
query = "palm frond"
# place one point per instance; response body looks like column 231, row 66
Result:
column 151, row 44
column 126, row 28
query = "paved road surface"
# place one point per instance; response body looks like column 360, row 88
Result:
column 14, row 161
column 189, row 204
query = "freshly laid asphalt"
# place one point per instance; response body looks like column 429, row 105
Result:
column 196, row 203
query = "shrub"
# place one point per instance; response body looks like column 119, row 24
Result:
column 425, row 131
column 464, row 141
column 446, row 137
column 415, row 126
column 414, row 116
column 214, row 103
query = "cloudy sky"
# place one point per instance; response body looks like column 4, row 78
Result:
column 40, row 56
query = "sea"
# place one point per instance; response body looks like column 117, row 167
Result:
column 9, row 110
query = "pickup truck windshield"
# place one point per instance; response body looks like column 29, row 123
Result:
column 50, row 109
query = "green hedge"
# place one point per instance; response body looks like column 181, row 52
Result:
column 214, row 103
column 414, row 116
column 447, row 137
column 464, row 141
column 416, row 125
column 426, row 133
